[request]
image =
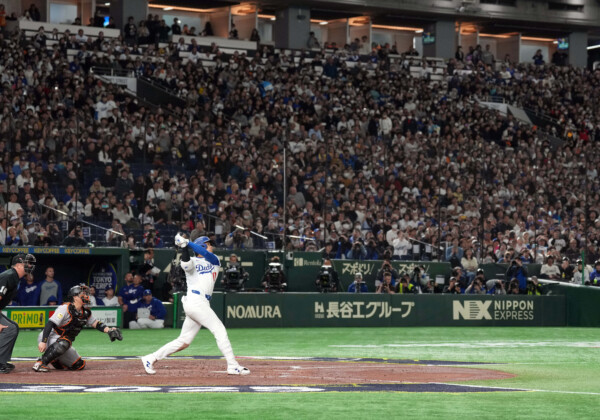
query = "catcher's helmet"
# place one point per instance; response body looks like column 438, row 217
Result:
column 202, row 241
column 27, row 260
column 77, row 291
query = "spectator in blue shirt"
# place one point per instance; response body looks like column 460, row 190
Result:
column 150, row 313
column 29, row 292
column 358, row 285
column 130, row 296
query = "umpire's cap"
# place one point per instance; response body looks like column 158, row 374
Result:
column 203, row 240
column 28, row 261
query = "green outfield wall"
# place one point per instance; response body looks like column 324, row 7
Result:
column 245, row 310
column 574, row 306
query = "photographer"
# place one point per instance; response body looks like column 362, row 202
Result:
column 56, row 236
column 452, row 288
column 75, row 238
column 238, row 239
column 533, row 287
column 386, row 285
column 274, row 280
column 152, row 238
column 358, row 285
column 518, row 271
column 513, row 287
column 234, row 276
column 475, row 288
column 404, row 286
column 176, row 281
column 327, row 279
column 419, row 277
column 357, row 252
column 495, row 287
column 386, row 266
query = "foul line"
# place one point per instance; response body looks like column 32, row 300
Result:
column 520, row 389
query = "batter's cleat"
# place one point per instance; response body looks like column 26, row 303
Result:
column 148, row 362
column 238, row 370
column 39, row 367
column 6, row 367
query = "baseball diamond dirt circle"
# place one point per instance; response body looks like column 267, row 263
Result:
column 126, row 374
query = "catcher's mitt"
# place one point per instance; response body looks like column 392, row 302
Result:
column 115, row 334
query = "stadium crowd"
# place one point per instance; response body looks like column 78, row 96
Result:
column 379, row 163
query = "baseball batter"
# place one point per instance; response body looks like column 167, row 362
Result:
column 200, row 272
column 56, row 340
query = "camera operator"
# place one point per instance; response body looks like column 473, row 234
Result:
column 386, row 266
column 533, row 286
column 357, row 252
column 452, row 288
column 479, row 275
column 152, row 239
column 358, row 285
column 75, row 238
column 419, row 277
column 475, row 288
column 274, row 279
column 495, row 287
column 386, row 285
column 234, row 276
column 430, row 287
column 54, row 233
column 404, row 286
column 518, row 271
column 176, row 281
column 513, row 287
column 239, row 239
column 327, row 279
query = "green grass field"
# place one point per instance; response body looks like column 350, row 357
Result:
column 560, row 367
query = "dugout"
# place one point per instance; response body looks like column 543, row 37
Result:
column 72, row 266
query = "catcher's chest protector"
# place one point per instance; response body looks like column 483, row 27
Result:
column 78, row 320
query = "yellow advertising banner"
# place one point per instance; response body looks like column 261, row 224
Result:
column 29, row 319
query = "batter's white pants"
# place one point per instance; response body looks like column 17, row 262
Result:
column 146, row 323
column 198, row 313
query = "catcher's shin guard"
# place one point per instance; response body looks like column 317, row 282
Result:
column 78, row 365
column 56, row 350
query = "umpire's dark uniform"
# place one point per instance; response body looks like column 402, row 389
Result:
column 9, row 282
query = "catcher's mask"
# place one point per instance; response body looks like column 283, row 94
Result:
column 27, row 260
column 80, row 290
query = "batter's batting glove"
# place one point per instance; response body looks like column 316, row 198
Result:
column 115, row 334
column 180, row 241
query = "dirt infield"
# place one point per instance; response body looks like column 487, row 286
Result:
column 212, row 372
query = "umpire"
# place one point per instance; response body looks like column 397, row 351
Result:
column 9, row 281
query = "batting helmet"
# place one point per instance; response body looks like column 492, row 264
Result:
column 27, row 260
column 202, row 241
column 77, row 291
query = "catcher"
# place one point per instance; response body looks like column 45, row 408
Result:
column 63, row 327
